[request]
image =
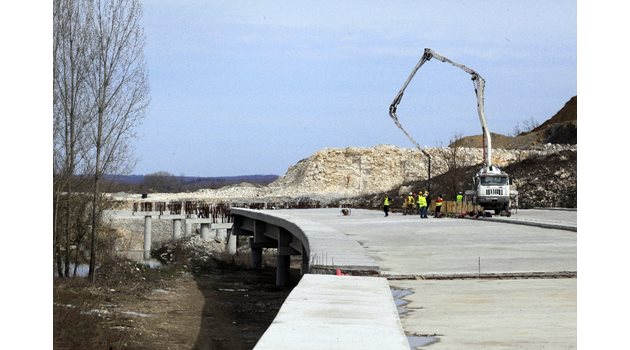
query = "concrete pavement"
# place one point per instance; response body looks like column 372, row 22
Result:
column 493, row 314
column 336, row 312
column 471, row 313
column 410, row 246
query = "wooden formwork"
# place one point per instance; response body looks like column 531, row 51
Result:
column 453, row 208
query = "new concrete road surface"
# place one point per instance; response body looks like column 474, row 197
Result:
column 493, row 314
column 438, row 260
column 336, row 312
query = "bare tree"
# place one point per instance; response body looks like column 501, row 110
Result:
column 452, row 158
column 71, row 105
column 524, row 127
column 118, row 85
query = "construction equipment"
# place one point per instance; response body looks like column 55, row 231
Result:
column 492, row 186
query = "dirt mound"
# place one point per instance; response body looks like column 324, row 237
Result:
column 549, row 181
column 541, row 180
column 561, row 128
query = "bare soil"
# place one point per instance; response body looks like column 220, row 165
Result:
column 209, row 305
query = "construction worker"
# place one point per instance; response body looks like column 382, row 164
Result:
column 386, row 205
column 410, row 203
column 422, row 203
column 438, row 206
column 459, row 197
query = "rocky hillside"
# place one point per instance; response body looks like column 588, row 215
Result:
column 542, row 180
column 358, row 171
column 544, row 170
column 561, row 128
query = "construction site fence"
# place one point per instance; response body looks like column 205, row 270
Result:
column 219, row 212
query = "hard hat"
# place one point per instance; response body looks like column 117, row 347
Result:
column 410, row 193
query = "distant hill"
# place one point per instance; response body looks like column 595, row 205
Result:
column 138, row 179
column 561, row 128
column 171, row 183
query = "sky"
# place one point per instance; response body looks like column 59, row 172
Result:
column 252, row 87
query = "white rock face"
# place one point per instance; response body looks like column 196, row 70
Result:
column 358, row 171
column 343, row 172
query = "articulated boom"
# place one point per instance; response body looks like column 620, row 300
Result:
column 492, row 189
column 479, row 84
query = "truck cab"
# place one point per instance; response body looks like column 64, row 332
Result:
column 492, row 187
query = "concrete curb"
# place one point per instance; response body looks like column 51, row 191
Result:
column 560, row 209
column 531, row 223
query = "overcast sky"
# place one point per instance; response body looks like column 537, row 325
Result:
column 253, row 87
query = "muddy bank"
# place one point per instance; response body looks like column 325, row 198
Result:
column 183, row 305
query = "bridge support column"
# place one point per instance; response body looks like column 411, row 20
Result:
column 205, row 232
column 305, row 261
column 284, row 259
column 147, row 237
column 256, row 254
column 231, row 243
column 221, row 234
column 177, row 228
column 188, row 231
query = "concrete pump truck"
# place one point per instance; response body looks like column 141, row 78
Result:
column 492, row 186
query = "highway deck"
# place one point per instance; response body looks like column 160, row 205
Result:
column 336, row 312
column 473, row 284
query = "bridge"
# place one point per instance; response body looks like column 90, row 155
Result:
column 474, row 284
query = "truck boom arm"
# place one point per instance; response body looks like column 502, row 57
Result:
column 479, row 84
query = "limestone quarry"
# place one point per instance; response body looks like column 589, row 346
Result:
column 332, row 174
column 542, row 163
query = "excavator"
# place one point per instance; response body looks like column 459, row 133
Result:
column 491, row 184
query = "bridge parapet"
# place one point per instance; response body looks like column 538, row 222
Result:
column 323, row 248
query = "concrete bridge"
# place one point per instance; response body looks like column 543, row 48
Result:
column 474, row 284
column 206, row 225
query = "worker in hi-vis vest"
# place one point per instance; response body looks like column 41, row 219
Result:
column 459, row 197
column 422, row 203
column 386, row 203
column 438, row 206
column 410, row 204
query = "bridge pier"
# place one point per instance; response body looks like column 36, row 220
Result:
column 231, row 243
column 205, row 231
column 147, row 237
column 305, row 261
column 283, row 259
column 221, row 234
column 188, row 231
column 177, row 228
column 256, row 254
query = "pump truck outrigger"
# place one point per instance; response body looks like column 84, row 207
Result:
column 492, row 186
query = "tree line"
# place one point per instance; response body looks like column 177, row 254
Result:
column 100, row 94
column 165, row 182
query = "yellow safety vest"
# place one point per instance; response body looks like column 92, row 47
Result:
column 459, row 197
column 438, row 203
column 422, row 201
column 410, row 200
column 386, row 202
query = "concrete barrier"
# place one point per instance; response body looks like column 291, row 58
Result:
column 337, row 312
